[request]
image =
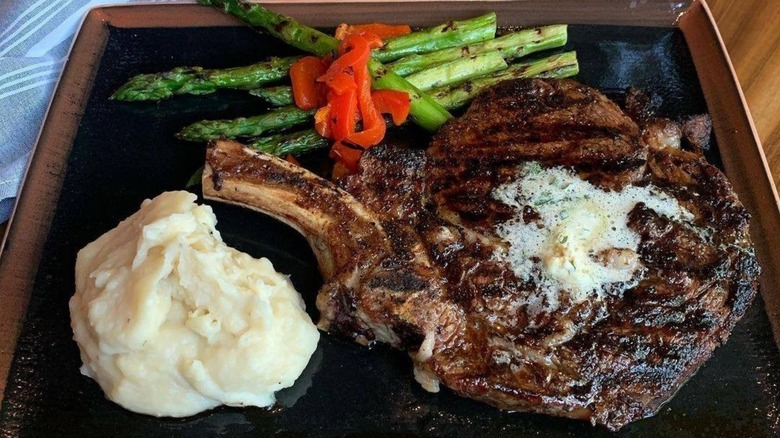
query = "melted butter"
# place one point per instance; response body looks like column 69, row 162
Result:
column 581, row 245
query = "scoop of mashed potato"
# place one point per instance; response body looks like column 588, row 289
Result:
column 170, row 321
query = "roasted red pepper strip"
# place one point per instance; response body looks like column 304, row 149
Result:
column 343, row 31
column 373, row 123
column 340, row 83
column 350, row 100
column 304, row 74
column 346, row 155
column 382, row 31
column 395, row 103
column 351, row 51
column 340, row 75
column 322, row 121
column 343, row 110
column 371, row 38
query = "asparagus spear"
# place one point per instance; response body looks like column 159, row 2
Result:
column 511, row 46
column 451, row 34
column 281, row 26
column 460, row 94
column 565, row 71
column 280, row 145
column 458, row 70
column 295, row 143
column 196, row 80
column 246, row 126
column 280, row 95
column 424, row 110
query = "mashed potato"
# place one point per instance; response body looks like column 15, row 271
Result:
column 170, row 321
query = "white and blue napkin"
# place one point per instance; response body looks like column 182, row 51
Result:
column 35, row 37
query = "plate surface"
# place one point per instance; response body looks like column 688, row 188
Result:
column 123, row 153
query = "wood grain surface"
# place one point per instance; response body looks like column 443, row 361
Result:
column 749, row 29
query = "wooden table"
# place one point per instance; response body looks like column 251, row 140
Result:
column 749, row 31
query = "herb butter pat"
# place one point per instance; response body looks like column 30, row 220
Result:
column 581, row 242
column 170, row 321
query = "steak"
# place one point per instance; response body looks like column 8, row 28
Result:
column 547, row 253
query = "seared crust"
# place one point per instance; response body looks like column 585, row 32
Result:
column 425, row 276
column 624, row 362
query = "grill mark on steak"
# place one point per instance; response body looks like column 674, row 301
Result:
column 410, row 255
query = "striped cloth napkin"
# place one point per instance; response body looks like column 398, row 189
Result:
column 35, row 37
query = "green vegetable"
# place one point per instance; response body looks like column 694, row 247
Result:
column 458, row 70
column 556, row 66
column 281, row 95
column 281, row 26
column 196, row 80
column 451, row 34
column 511, row 46
column 276, row 120
column 295, row 143
column 565, row 71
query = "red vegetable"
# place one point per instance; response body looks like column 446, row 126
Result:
column 349, row 98
column 381, row 30
column 395, row 103
column 349, row 156
column 322, row 122
column 343, row 111
column 373, row 123
column 304, row 74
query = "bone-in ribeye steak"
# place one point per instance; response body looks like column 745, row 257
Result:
column 547, row 253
